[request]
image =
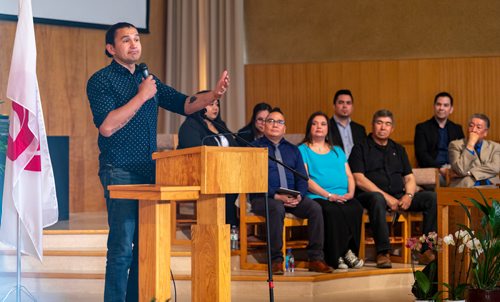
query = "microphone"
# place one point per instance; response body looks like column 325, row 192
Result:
column 143, row 68
column 223, row 134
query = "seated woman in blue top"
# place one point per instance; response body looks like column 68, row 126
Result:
column 206, row 128
column 331, row 184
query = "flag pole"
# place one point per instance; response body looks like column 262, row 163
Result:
column 18, row 288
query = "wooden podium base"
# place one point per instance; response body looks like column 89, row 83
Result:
column 154, row 234
column 211, row 253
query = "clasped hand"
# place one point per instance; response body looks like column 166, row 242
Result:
column 288, row 200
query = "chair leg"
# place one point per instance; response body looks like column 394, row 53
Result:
column 243, row 244
column 362, row 239
column 283, row 248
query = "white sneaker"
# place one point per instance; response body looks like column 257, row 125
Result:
column 352, row 260
column 342, row 264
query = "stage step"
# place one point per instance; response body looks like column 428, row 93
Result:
column 77, row 252
column 74, row 264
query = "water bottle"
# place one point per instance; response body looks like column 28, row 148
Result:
column 289, row 261
column 234, row 238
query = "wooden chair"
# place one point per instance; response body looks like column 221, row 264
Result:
column 399, row 240
column 247, row 218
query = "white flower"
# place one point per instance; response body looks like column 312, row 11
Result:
column 466, row 238
column 433, row 235
column 475, row 244
column 460, row 234
column 448, row 239
column 422, row 238
column 461, row 248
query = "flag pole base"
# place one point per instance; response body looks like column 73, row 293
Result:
column 19, row 288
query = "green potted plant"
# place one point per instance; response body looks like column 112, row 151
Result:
column 484, row 252
column 424, row 288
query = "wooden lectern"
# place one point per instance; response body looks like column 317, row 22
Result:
column 206, row 174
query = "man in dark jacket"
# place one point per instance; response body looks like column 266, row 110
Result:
column 433, row 136
column 344, row 132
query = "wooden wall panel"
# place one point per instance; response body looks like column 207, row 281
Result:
column 406, row 87
column 292, row 31
column 66, row 58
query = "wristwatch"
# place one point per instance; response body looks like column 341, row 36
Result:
column 410, row 195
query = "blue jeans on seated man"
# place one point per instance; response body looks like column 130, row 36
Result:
column 121, row 282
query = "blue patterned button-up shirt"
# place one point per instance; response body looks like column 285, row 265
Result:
column 129, row 148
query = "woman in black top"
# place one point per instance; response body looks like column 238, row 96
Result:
column 255, row 128
column 201, row 129
column 206, row 128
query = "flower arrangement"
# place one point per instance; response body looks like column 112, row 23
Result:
column 424, row 287
column 484, row 244
column 457, row 285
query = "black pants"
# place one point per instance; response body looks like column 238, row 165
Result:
column 342, row 228
column 231, row 210
column 307, row 208
column 376, row 205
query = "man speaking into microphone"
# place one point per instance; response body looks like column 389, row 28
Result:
column 124, row 101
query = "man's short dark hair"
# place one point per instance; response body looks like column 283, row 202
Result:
column 481, row 116
column 382, row 113
column 111, row 32
column 442, row 95
column 340, row 92
column 276, row 109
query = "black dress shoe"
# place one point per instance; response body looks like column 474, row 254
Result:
column 277, row 268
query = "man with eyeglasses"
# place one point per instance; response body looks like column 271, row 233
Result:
column 344, row 131
column 474, row 160
column 384, row 180
column 281, row 203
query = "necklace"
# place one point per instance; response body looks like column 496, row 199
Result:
column 317, row 148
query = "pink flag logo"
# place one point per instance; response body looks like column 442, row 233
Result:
column 23, row 139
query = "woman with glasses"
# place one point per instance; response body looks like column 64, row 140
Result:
column 331, row 184
column 255, row 128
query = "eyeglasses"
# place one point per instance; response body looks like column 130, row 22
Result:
column 272, row 122
column 260, row 119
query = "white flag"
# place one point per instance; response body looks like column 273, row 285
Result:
column 29, row 188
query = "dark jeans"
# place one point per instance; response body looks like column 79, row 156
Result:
column 121, row 283
column 376, row 205
column 307, row 208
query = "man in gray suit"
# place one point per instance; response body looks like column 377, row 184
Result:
column 474, row 160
